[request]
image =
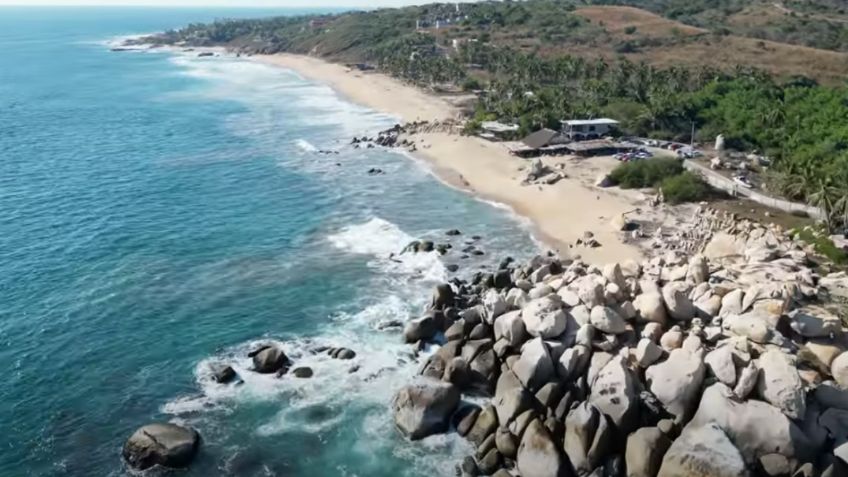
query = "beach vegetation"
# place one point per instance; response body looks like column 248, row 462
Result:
column 646, row 173
column 684, row 187
column 821, row 243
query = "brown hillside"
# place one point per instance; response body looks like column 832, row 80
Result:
column 664, row 42
column 648, row 25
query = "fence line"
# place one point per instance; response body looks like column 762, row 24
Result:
column 731, row 187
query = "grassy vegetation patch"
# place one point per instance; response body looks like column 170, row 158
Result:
column 822, row 244
column 647, row 173
column 685, row 187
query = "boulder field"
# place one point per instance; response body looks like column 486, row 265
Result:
column 727, row 360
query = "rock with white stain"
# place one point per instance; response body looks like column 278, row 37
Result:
column 616, row 393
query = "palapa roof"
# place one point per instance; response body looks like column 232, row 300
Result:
column 540, row 138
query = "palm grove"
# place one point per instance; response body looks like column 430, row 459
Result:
column 801, row 125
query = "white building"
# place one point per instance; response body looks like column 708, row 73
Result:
column 582, row 129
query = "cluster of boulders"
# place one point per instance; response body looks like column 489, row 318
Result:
column 470, row 247
column 394, row 137
column 538, row 173
column 726, row 363
column 174, row 446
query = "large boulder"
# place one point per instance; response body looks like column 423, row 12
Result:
column 424, row 407
column 698, row 270
column 538, row 455
column 424, row 328
column 590, row 290
column 269, row 359
column 607, row 320
column 780, row 385
column 703, row 451
column 731, row 303
column 443, row 297
column 720, row 364
column 163, row 444
column 677, row 302
column 494, row 304
column 744, row 422
column 573, row 361
column 676, row 382
column 616, row 393
column 645, row 451
column 511, row 398
column 588, row 436
column 647, row 353
column 544, row 317
column 535, row 367
column 650, row 308
column 750, row 325
column 510, row 327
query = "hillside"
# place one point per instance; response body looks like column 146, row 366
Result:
column 760, row 35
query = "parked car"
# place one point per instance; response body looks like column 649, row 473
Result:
column 743, row 181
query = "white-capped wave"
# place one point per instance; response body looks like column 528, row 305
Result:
column 385, row 241
column 305, row 145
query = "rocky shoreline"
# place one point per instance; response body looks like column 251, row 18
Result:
column 720, row 356
column 723, row 363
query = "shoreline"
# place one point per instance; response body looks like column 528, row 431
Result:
column 486, row 170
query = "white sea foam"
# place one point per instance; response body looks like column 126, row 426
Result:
column 384, row 241
column 305, row 145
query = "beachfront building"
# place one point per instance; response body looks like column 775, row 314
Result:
column 586, row 129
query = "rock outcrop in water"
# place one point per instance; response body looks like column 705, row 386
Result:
column 725, row 362
column 162, row 444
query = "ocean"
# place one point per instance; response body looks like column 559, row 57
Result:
column 161, row 212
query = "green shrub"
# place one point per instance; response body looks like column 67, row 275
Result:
column 685, row 187
column 645, row 173
column 630, row 30
column 823, row 245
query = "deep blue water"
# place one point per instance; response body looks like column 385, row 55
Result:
column 160, row 212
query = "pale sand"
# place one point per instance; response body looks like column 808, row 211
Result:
column 561, row 213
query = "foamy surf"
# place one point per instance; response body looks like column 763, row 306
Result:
column 385, row 241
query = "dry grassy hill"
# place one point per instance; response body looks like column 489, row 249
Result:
column 665, row 42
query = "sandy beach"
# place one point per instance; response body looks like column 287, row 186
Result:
column 561, row 213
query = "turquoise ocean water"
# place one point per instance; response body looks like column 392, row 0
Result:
column 162, row 212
